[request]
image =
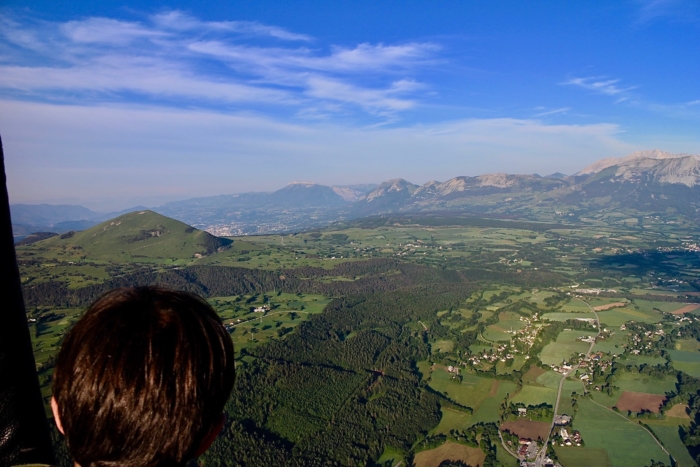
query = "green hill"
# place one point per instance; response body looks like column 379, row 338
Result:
column 139, row 235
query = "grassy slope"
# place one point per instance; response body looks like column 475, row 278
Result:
column 137, row 236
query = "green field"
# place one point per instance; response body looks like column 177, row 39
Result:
column 471, row 392
column 452, row 420
column 550, row 379
column 618, row 316
column 668, row 434
column 642, row 383
column 686, row 361
column 249, row 329
column 488, row 410
column 535, row 395
column 572, row 456
column 564, row 347
column 564, row 316
column 627, row 444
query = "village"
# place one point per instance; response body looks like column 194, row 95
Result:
column 522, row 341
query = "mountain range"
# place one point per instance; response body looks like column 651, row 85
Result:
column 651, row 183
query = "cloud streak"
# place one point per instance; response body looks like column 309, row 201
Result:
column 599, row 85
column 173, row 56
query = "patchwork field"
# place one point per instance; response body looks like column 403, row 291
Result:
column 640, row 401
column 450, row 451
column 524, row 271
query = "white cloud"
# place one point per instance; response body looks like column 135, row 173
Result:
column 179, row 21
column 599, row 85
column 107, row 31
column 551, row 112
column 178, row 57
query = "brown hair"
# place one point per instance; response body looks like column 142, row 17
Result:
column 142, row 378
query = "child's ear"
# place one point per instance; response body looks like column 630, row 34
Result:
column 54, row 409
column 211, row 436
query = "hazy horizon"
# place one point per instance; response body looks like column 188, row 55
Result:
column 107, row 105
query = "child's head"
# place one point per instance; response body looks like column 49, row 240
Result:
column 142, row 379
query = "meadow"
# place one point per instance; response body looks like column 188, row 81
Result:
column 564, row 347
column 626, row 444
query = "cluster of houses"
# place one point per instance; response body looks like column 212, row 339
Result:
column 589, row 339
column 502, row 353
column 505, row 352
column 595, row 291
column 262, row 309
column 569, row 440
column 643, row 341
column 527, row 448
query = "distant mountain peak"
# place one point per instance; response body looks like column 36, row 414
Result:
column 654, row 154
column 394, row 185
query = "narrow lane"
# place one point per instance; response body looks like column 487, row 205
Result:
column 539, row 460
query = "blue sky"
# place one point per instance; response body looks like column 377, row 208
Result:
column 113, row 103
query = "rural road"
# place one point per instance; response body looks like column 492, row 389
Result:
column 539, row 460
column 506, row 447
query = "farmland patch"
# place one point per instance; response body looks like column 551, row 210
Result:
column 640, row 401
column 450, row 451
column 527, row 429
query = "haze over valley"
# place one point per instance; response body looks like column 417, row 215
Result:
column 643, row 185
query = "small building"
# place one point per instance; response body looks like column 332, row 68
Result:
column 522, row 411
column 562, row 420
column 261, row 309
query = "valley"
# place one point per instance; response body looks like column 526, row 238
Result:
column 407, row 338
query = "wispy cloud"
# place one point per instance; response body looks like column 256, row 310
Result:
column 552, row 112
column 179, row 21
column 675, row 10
column 600, row 85
column 175, row 56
